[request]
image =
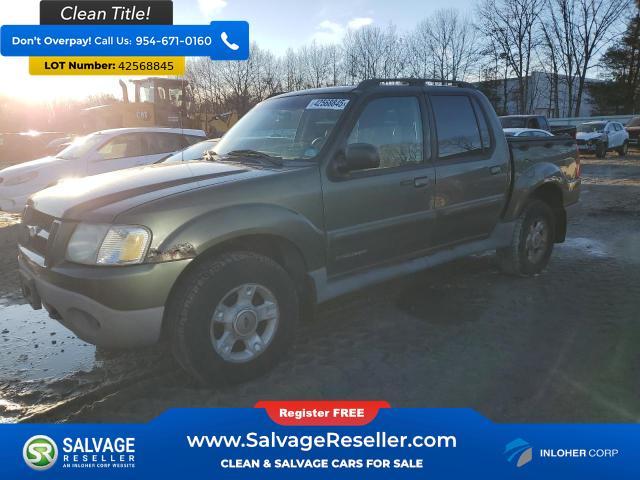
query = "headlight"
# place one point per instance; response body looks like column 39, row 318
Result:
column 18, row 179
column 97, row 244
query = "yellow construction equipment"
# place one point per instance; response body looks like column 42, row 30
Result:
column 158, row 102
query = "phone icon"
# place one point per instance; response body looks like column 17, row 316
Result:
column 225, row 39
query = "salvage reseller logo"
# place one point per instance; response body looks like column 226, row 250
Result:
column 40, row 452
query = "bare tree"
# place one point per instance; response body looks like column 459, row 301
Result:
column 316, row 60
column 513, row 26
column 453, row 44
column 370, row 52
column 594, row 21
column 292, row 71
column 419, row 45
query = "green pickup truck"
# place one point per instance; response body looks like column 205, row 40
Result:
column 311, row 195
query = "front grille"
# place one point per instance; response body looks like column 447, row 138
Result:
column 581, row 142
column 37, row 231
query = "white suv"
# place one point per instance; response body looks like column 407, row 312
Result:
column 99, row 152
column 601, row 136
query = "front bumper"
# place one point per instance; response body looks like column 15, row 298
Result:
column 587, row 148
column 108, row 308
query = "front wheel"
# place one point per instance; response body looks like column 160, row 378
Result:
column 232, row 318
column 532, row 241
column 601, row 150
column 622, row 151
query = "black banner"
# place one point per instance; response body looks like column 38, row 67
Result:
column 105, row 12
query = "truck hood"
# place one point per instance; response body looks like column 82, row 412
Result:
column 73, row 199
column 34, row 165
column 588, row 135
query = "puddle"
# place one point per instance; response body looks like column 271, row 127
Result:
column 36, row 347
column 589, row 246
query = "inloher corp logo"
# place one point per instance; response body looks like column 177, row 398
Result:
column 40, row 452
column 518, row 450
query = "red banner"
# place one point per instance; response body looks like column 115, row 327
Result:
column 323, row 412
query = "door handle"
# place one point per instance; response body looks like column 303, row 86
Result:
column 420, row 182
column 416, row 182
column 495, row 170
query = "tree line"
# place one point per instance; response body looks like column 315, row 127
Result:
column 499, row 40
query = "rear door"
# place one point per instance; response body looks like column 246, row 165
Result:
column 621, row 134
column 471, row 179
column 160, row 145
column 381, row 214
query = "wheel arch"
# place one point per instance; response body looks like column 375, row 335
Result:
column 551, row 194
column 277, row 247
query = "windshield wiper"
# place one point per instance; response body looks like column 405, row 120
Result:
column 255, row 154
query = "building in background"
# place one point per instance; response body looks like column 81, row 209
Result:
column 541, row 99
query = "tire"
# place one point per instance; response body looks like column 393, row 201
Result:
column 521, row 258
column 622, row 151
column 213, row 318
column 601, row 150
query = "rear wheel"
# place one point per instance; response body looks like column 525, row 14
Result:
column 601, row 150
column 622, row 151
column 532, row 241
column 233, row 317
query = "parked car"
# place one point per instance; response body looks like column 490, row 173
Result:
column 537, row 122
column 633, row 129
column 24, row 146
column 96, row 153
column 194, row 152
column 599, row 137
column 311, row 195
column 526, row 132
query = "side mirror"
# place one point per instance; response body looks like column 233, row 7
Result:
column 360, row 156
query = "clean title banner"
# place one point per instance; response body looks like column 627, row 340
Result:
column 105, row 12
column 223, row 40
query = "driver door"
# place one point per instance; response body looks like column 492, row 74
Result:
column 382, row 214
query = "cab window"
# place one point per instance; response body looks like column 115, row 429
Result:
column 394, row 126
column 457, row 127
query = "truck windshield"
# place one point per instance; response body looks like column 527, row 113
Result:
column 590, row 127
column 80, row 147
column 290, row 128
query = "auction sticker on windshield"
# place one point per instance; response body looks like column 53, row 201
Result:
column 328, row 104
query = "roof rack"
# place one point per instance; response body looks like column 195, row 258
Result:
column 413, row 82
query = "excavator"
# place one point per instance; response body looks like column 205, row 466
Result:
column 157, row 102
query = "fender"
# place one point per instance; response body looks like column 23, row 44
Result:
column 224, row 224
column 528, row 180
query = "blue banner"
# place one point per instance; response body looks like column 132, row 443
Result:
column 248, row 443
column 223, row 40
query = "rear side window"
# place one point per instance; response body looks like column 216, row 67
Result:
column 457, row 126
column 193, row 139
column 122, row 146
column 164, row 142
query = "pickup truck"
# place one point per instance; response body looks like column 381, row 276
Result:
column 313, row 194
column 539, row 122
column 633, row 128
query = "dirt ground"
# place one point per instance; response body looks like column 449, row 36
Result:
column 559, row 347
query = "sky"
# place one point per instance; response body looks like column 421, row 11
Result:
column 275, row 25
